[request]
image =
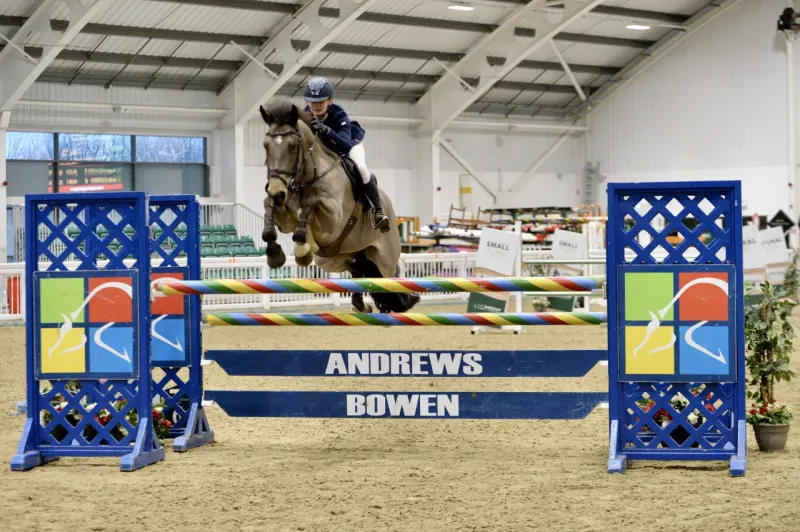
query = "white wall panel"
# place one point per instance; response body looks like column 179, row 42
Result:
column 50, row 118
column 717, row 101
column 514, row 152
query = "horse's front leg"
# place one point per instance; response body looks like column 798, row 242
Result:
column 275, row 255
column 303, row 251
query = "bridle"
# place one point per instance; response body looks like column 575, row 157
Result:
column 290, row 178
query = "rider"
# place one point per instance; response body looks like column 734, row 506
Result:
column 343, row 137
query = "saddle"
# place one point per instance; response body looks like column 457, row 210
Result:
column 359, row 194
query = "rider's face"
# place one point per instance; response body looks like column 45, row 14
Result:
column 319, row 108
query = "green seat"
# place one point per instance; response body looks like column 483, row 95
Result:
column 217, row 230
column 223, row 252
column 237, row 250
column 208, row 252
column 222, row 245
column 230, row 230
column 232, row 239
column 181, row 229
column 252, row 251
column 205, row 238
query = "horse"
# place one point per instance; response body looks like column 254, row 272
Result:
column 310, row 195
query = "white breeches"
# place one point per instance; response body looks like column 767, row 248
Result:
column 359, row 156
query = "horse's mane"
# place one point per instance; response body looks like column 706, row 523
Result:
column 280, row 111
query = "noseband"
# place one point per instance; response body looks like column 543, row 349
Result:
column 291, row 178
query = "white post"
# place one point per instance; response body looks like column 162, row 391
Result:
column 436, row 159
column 6, row 115
column 794, row 197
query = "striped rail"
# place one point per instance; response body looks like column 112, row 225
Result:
column 410, row 318
column 382, row 286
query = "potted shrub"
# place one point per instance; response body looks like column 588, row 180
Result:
column 791, row 279
column 769, row 337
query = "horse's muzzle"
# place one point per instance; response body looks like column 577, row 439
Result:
column 279, row 198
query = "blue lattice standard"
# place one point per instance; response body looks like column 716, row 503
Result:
column 176, row 337
column 87, row 357
column 676, row 323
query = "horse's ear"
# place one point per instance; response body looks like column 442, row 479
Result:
column 294, row 116
column 264, row 114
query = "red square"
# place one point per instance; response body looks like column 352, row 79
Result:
column 169, row 304
column 704, row 301
column 110, row 302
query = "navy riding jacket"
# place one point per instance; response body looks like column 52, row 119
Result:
column 344, row 133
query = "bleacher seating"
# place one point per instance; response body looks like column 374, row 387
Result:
column 224, row 241
column 215, row 241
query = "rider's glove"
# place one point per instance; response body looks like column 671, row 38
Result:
column 319, row 128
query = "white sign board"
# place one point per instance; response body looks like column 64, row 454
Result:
column 498, row 253
column 755, row 266
column 569, row 245
column 776, row 254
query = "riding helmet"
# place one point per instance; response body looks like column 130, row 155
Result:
column 318, row 90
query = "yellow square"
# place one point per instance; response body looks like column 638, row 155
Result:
column 656, row 356
column 66, row 356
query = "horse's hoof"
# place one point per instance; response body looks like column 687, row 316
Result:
column 305, row 260
column 276, row 258
column 276, row 262
column 301, row 250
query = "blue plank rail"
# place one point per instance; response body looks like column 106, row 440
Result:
column 410, row 405
column 353, row 363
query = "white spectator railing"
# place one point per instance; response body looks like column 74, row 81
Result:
column 12, row 285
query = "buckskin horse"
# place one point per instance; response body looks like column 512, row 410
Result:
column 310, row 194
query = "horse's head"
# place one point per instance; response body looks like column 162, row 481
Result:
column 286, row 144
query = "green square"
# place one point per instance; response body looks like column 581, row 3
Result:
column 61, row 296
column 646, row 293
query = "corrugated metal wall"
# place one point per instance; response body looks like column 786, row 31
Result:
column 716, row 101
column 89, row 119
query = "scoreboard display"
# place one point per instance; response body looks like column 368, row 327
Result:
column 90, row 177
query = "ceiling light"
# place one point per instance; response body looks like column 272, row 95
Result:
column 638, row 27
column 460, row 7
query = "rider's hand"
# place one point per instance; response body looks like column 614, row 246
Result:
column 319, row 128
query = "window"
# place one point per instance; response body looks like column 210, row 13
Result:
column 185, row 150
column 81, row 147
column 77, row 162
column 28, row 177
column 171, row 179
column 29, row 146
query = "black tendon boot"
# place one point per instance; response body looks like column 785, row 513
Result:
column 381, row 220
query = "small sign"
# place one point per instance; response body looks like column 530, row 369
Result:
column 782, row 220
column 568, row 245
column 755, row 266
column 498, row 255
column 776, row 253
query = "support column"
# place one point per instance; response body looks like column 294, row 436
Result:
column 3, row 189
column 791, row 112
column 229, row 150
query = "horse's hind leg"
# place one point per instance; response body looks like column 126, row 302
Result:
column 401, row 302
column 357, row 299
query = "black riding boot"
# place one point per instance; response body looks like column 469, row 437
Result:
column 374, row 196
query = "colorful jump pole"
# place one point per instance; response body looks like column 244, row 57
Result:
column 382, row 286
column 410, row 318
